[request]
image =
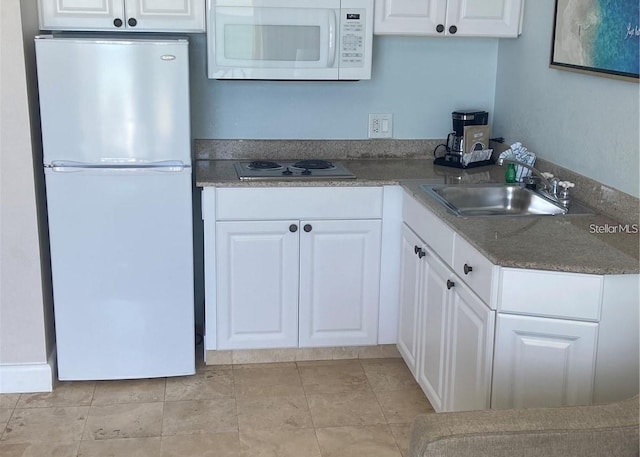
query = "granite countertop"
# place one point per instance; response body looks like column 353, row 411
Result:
column 556, row 243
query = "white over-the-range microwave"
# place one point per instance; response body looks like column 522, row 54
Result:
column 289, row 39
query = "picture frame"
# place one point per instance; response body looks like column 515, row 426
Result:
column 597, row 37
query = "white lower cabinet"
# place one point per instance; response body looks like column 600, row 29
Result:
column 339, row 282
column 297, row 283
column 497, row 337
column 469, row 352
column 257, row 295
column 452, row 344
column 409, row 298
column 433, row 305
column 295, row 280
column 543, row 362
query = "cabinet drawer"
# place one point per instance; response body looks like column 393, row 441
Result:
column 474, row 269
column 550, row 293
column 298, row 203
column 428, row 226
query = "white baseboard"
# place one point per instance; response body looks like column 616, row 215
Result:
column 27, row 378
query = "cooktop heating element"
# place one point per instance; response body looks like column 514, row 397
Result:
column 301, row 169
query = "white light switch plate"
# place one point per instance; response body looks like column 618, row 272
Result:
column 380, row 125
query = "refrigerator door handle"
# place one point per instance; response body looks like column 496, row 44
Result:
column 164, row 166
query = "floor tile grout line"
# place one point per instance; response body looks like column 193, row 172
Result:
column 86, row 419
column 4, row 430
column 235, row 402
column 306, row 398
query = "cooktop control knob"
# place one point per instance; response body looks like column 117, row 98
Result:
column 306, row 172
column 287, row 172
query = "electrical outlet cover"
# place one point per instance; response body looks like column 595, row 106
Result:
column 380, row 125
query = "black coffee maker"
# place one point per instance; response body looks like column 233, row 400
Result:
column 461, row 119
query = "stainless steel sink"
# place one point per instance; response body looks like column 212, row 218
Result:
column 493, row 200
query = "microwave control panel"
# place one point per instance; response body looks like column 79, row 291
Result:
column 352, row 43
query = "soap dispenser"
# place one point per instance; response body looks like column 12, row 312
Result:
column 510, row 173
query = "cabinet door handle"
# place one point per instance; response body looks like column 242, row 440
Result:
column 293, row 228
column 453, row 29
column 450, row 284
column 440, row 28
column 117, row 22
column 467, row 269
column 416, row 249
column 307, row 227
column 422, row 253
column 132, row 22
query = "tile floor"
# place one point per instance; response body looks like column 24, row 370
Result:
column 341, row 408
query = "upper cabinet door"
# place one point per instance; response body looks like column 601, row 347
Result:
column 165, row 15
column 409, row 17
column 483, row 18
column 494, row 18
column 123, row 15
column 81, row 14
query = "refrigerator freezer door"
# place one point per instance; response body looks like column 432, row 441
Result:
column 114, row 100
column 122, row 268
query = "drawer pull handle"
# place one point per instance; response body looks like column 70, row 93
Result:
column 293, row 228
column 467, row 269
column 450, row 284
column 307, row 227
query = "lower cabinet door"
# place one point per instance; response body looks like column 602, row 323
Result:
column 433, row 330
column 257, row 284
column 409, row 298
column 470, row 350
column 339, row 282
column 543, row 362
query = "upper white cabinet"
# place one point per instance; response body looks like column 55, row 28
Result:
column 481, row 18
column 123, row 15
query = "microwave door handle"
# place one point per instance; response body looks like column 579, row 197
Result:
column 332, row 39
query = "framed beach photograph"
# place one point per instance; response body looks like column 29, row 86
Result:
column 600, row 37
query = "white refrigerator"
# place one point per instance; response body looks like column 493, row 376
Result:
column 117, row 162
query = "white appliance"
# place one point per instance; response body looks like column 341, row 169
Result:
column 290, row 39
column 117, row 158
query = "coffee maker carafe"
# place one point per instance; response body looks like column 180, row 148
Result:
column 461, row 119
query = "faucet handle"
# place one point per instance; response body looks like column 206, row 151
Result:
column 547, row 175
column 566, row 184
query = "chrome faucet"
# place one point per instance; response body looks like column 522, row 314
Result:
column 550, row 184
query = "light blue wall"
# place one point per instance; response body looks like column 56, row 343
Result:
column 419, row 80
column 589, row 124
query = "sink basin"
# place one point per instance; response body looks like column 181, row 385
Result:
column 493, row 200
